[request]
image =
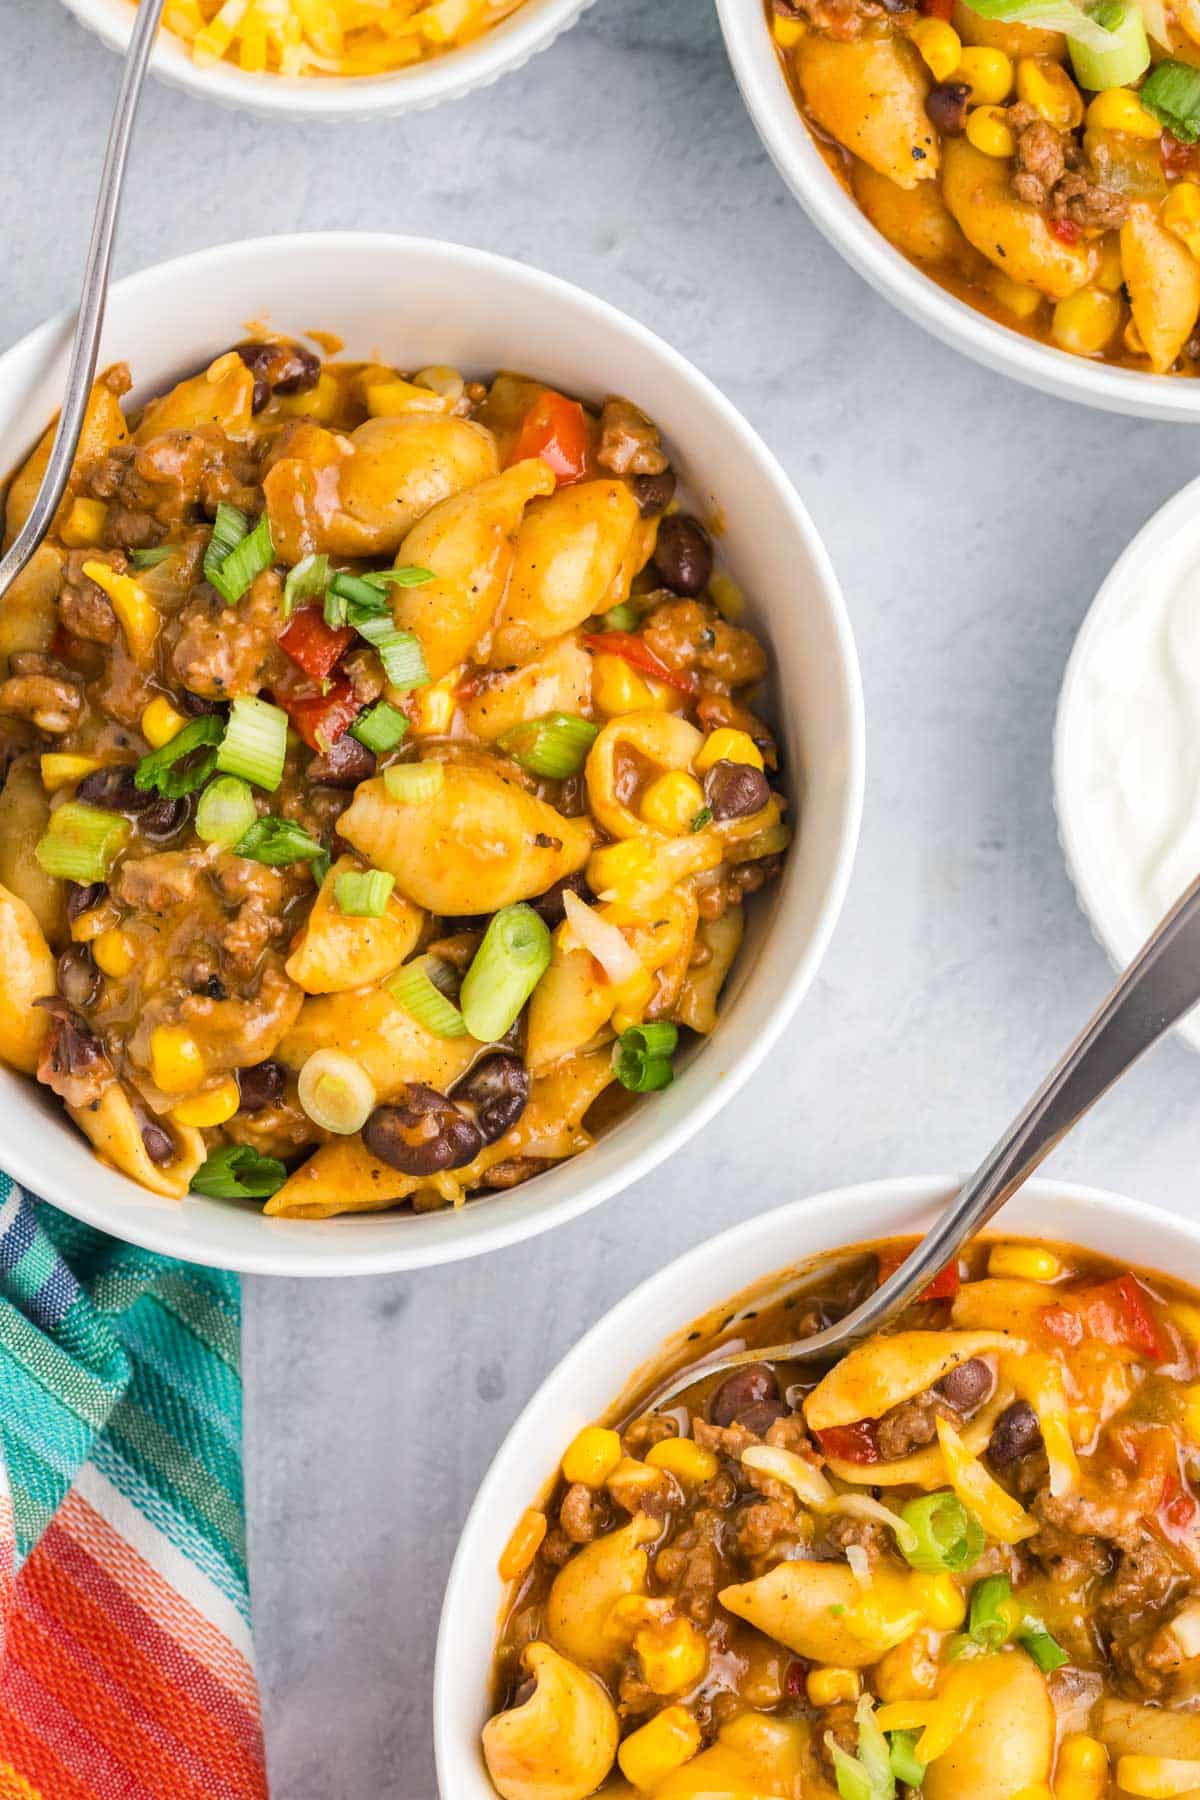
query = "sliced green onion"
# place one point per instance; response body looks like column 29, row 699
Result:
column 336, row 1092
column 905, row 1766
column 381, row 728
column 351, row 598
column 948, row 1536
column 237, row 1172
column 993, row 1617
column 553, row 746
column 399, row 651
column 1126, row 59
column 1046, row 1652
column 703, row 818
column 229, row 528
column 150, row 559
column 363, row 894
column 319, row 867
column 625, row 617
column 255, row 742
column 414, row 782
column 278, row 843
column 1171, row 92
column 226, row 811
column 867, row 1776
column 412, row 988
column 244, row 564
column 404, row 575
column 176, row 769
column 1050, row 15
column 642, row 1057
column 81, row 842
column 307, row 581
column 509, row 963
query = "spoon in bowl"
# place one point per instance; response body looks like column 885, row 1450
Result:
column 1159, row 986
column 85, row 347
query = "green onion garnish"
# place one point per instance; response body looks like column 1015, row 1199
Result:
column 255, row 742
column 278, row 842
column 625, row 617
column 1126, row 58
column 244, row 564
column 948, row 1536
column 1171, row 92
column 81, row 842
column 867, row 1776
column 642, row 1057
column 349, row 599
column 176, row 770
column 226, row 811
column 150, row 559
column 1049, row 15
column 905, row 1766
column 229, row 528
column 237, row 1172
column 405, row 575
column 553, row 746
column 703, row 817
column 1045, row 1651
column 381, row 728
column 414, row 782
column 399, row 651
column 412, row 988
column 993, row 1616
column 363, row 894
column 509, row 963
column 307, row 581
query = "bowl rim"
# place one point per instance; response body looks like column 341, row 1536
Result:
column 1001, row 348
column 621, row 1321
column 507, row 46
column 1097, row 901
column 19, row 1157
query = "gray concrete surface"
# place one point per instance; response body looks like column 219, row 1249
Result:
column 970, row 521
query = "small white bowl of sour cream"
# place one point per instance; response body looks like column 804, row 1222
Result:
column 1127, row 739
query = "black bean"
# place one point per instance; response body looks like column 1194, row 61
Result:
column 683, row 554
column 760, row 1418
column 71, row 1047
column 78, row 976
column 159, row 1145
column 1015, row 1433
column 653, row 493
column 946, row 106
column 422, row 1133
column 164, row 818
column 81, row 897
column 195, row 705
column 344, row 764
column 113, row 789
column 966, row 1387
column 263, row 1085
column 735, row 790
column 752, row 1385
column 283, row 368
column 497, row 1089
column 550, row 904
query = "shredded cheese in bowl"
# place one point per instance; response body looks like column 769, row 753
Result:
column 329, row 37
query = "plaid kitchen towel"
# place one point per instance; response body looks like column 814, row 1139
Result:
column 126, row 1668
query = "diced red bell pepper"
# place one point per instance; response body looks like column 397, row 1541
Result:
column 1177, row 1509
column 851, row 1443
column 794, row 1679
column 555, row 429
column 321, row 719
column 1066, row 231
column 316, row 646
column 944, row 1285
column 638, row 654
column 1118, row 1312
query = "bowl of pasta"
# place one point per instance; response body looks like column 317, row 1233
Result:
column 337, row 59
column 962, row 1560
column 430, row 781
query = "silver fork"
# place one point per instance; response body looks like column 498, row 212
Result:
column 1159, row 986
column 85, row 347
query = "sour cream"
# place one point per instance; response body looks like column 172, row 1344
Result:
column 1128, row 746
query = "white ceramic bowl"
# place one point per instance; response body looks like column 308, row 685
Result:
column 783, row 131
column 1168, row 543
column 413, row 302
column 531, row 28
column 588, row 1381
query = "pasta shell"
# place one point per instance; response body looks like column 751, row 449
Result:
column 887, row 1369
column 558, row 1745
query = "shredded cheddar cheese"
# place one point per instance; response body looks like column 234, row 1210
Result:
column 329, row 37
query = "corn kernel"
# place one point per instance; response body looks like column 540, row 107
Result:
column 1119, row 109
column 672, row 1737
column 1082, row 1769
column 1110, row 275
column 160, row 722
column 726, row 596
column 176, row 1060
column 432, row 708
column 630, row 1480
column 211, row 1108
column 942, row 1601
column 908, row 1672
column 136, row 613
column 114, row 954
column 1084, row 323
column 387, row 399
column 788, row 32
column 591, row 1456
column 1016, row 297
column 60, row 769
column 524, row 1544
column 90, row 924
column 321, row 403
column 727, row 745
column 825, row 1687
column 990, row 132
column 689, row 1462
column 940, row 46
column 673, row 1656
column 616, row 871
column 988, row 73
column 671, row 802
column 1024, row 1262
column 84, row 524
column 1047, row 87
column 616, row 688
